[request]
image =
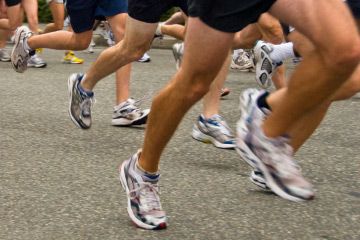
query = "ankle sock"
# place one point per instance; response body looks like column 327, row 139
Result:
column 282, row 52
column 147, row 177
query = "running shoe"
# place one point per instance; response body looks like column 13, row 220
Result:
column 224, row 92
column 178, row 51
column 248, row 100
column 71, row 58
column 257, row 178
column 241, row 61
column 36, row 62
column 4, row 55
column 145, row 58
column 128, row 113
column 264, row 66
column 143, row 201
column 20, row 56
column 273, row 157
column 79, row 102
column 213, row 130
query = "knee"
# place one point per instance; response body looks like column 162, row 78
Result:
column 346, row 56
column 80, row 44
column 131, row 51
column 119, row 33
column 59, row 25
column 198, row 85
column 273, row 32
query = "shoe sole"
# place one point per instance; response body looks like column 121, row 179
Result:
column 70, row 84
column 68, row 62
column 38, row 66
column 261, row 75
column 275, row 187
column 133, row 218
column 16, row 44
column 122, row 122
column 5, row 59
column 198, row 135
column 261, row 184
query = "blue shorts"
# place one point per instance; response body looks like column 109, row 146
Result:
column 84, row 12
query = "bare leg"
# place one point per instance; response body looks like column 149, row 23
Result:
column 317, row 77
column 211, row 101
column 61, row 40
column 14, row 20
column 58, row 14
column 137, row 40
column 201, row 64
column 177, row 31
column 176, row 18
column 31, row 11
column 304, row 128
column 117, row 24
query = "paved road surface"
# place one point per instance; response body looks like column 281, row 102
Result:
column 60, row 182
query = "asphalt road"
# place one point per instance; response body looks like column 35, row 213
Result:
column 60, row 182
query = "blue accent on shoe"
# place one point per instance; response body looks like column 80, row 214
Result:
column 151, row 177
column 83, row 91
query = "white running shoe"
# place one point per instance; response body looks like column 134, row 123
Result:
column 145, row 58
column 128, row 114
column 4, row 55
column 241, row 61
column 213, row 130
column 264, row 66
column 20, row 56
column 273, row 157
column 79, row 102
column 36, row 62
column 144, row 207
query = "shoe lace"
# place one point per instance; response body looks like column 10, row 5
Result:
column 286, row 165
column 223, row 127
column 148, row 196
column 86, row 105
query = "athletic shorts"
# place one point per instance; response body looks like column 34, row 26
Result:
column 228, row 15
column 84, row 12
column 56, row 1
column 150, row 11
column 11, row 3
column 355, row 7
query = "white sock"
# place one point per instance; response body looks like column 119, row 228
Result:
column 158, row 29
column 282, row 52
column 26, row 46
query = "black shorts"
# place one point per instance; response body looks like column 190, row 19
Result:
column 228, row 15
column 11, row 3
column 355, row 7
column 150, row 11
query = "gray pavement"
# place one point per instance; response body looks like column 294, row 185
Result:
column 60, row 182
